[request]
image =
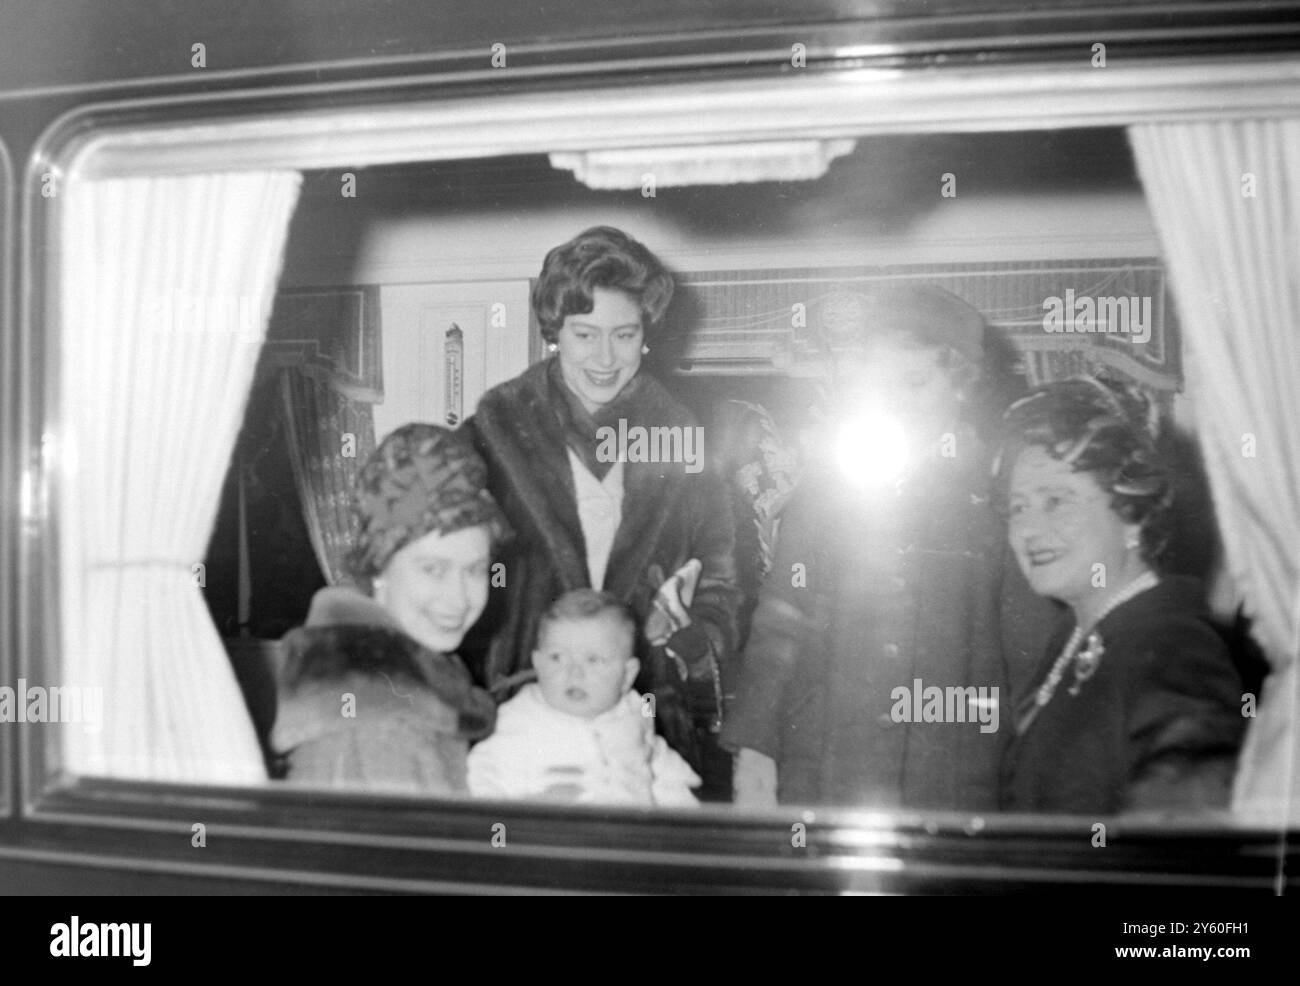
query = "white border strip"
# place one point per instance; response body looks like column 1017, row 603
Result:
column 795, row 103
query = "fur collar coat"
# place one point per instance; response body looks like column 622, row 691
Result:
column 669, row 516
column 361, row 704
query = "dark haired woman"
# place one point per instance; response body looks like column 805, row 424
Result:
column 1136, row 704
column 590, row 514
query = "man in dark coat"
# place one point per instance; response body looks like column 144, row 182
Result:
column 875, row 674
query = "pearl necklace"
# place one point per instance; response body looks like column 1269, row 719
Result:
column 1085, row 661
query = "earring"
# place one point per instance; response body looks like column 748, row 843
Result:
column 1132, row 541
column 552, row 348
column 644, row 350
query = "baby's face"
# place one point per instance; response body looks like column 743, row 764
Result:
column 585, row 666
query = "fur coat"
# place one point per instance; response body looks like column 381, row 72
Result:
column 669, row 516
column 361, row 704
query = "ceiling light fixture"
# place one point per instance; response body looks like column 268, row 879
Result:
column 713, row 164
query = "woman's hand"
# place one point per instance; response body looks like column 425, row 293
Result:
column 753, row 783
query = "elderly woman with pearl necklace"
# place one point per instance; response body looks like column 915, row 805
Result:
column 1136, row 704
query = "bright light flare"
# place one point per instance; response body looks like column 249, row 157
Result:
column 872, row 449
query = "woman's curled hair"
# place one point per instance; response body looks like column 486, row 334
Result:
column 1103, row 428
column 600, row 257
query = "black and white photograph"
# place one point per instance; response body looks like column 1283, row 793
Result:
column 772, row 448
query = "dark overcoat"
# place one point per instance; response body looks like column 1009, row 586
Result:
column 874, row 599
column 1157, row 726
column 669, row 516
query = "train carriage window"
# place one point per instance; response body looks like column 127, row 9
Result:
column 926, row 487
column 409, row 301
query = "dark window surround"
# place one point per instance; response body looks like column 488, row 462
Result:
column 10, row 469
column 277, row 837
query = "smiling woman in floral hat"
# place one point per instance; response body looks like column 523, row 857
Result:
column 372, row 693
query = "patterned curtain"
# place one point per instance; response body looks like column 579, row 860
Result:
column 771, row 317
column 329, row 437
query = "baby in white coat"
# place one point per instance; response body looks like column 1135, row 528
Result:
column 581, row 733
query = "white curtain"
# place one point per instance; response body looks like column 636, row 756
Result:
column 1225, row 196
column 165, row 294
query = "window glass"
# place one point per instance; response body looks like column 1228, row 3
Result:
column 770, row 419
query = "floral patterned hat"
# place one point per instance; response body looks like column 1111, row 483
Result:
column 421, row 478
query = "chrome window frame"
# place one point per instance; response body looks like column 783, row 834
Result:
column 276, row 835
